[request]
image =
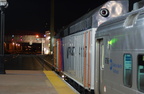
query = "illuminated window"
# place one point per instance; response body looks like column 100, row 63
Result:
column 128, row 70
column 140, row 78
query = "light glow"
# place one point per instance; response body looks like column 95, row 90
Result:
column 112, row 41
column 105, row 89
column 48, row 38
column 37, row 36
column 13, row 43
column 63, row 77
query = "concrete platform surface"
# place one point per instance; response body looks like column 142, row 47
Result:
column 25, row 82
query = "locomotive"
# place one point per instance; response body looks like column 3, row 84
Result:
column 80, row 54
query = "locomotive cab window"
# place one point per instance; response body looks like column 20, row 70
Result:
column 140, row 78
column 128, row 70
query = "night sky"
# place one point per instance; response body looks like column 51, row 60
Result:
column 26, row 16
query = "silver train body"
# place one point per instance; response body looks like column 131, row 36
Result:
column 119, row 55
column 76, row 48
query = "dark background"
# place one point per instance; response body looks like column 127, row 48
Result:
column 28, row 16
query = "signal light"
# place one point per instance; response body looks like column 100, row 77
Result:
column 104, row 12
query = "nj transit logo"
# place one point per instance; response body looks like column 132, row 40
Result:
column 114, row 67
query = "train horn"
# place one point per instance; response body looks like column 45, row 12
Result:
column 104, row 12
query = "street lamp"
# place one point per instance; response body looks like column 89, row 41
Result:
column 3, row 5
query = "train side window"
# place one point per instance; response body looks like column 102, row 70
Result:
column 128, row 70
column 140, row 78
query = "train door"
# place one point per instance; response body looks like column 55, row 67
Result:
column 99, row 71
column 101, row 65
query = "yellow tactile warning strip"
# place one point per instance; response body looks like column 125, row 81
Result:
column 60, row 86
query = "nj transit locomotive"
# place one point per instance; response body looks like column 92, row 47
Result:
column 76, row 45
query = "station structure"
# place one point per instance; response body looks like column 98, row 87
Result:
column 28, row 44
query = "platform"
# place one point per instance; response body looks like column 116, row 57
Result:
column 33, row 82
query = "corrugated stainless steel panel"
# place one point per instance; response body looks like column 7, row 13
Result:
column 83, row 51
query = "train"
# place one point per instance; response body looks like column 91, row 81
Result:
column 120, row 54
column 103, row 51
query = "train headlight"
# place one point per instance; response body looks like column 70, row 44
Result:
column 62, row 76
column 104, row 12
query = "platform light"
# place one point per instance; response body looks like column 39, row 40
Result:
column 37, row 36
column 44, row 35
column 48, row 38
column 3, row 3
column 49, row 44
column 51, row 52
column 47, row 51
column 12, row 36
column 13, row 43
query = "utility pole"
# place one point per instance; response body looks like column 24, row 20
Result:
column 52, row 26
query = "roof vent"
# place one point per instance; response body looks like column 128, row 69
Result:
column 138, row 5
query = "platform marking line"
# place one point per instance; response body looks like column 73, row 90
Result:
column 60, row 86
